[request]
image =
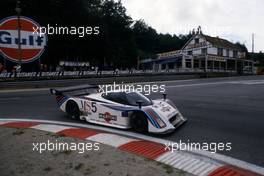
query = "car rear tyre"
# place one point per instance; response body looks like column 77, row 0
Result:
column 72, row 109
column 139, row 122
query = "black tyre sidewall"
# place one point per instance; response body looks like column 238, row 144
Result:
column 139, row 122
column 72, row 109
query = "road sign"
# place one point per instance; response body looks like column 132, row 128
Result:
column 32, row 44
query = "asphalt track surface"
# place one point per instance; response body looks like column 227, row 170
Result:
column 218, row 110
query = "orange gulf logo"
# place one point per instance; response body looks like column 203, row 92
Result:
column 32, row 44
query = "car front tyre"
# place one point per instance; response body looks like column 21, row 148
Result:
column 72, row 109
column 139, row 122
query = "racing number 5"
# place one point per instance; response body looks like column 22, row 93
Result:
column 94, row 108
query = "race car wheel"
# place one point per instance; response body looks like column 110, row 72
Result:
column 72, row 109
column 139, row 122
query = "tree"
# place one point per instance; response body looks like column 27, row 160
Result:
column 121, row 40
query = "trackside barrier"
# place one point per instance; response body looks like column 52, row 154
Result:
column 67, row 74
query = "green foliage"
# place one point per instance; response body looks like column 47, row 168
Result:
column 258, row 58
column 121, row 40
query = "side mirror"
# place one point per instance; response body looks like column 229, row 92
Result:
column 164, row 96
column 139, row 102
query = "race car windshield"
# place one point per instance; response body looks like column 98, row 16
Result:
column 130, row 98
column 133, row 97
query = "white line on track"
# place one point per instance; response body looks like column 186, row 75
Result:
column 23, row 90
column 217, row 81
column 198, row 84
column 245, row 82
column 44, row 89
column 11, row 98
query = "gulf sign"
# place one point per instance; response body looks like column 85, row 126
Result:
column 32, row 44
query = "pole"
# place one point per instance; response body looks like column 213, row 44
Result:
column 253, row 38
column 18, row 10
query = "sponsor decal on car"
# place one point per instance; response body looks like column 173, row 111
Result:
column 107, row 117
column 88, row 107
column 165, row 109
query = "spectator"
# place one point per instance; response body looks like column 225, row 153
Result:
column 116, row 71
column 45, row 68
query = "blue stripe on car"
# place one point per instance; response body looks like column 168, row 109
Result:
column 152, row 120
column 152, row 113
column 127, row 109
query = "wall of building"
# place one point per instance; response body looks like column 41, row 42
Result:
column 225, row 62
column 197, row 48
column 201, row 40
column 212, row 51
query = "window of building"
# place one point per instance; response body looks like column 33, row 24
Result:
column 188, row 63
column 189, row 52
column 196, row 40
column 235, row 54
column 204, row 50
column 227, row 52
column 220, row 51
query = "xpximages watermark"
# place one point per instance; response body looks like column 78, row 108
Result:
column 145, row 89
column 81, row 31
column 212, row 147
column 80, row 147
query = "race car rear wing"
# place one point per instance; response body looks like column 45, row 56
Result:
column 74, row 90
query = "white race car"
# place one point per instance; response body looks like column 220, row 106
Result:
column 123, row 110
